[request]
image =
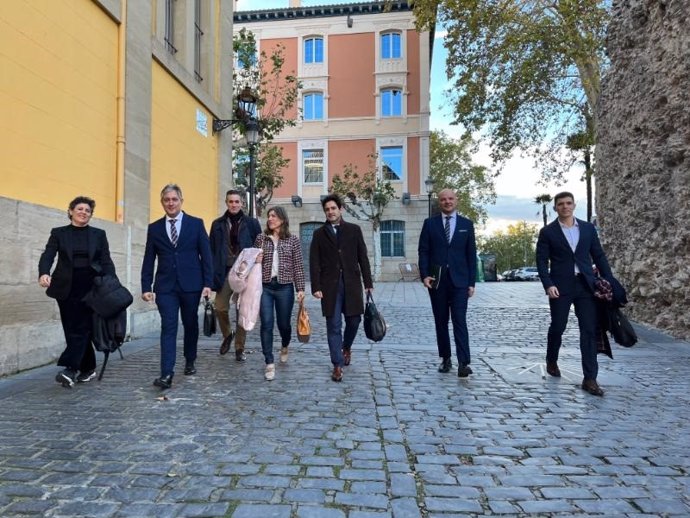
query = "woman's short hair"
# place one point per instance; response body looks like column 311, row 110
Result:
column 78, row 201
column 284, row 230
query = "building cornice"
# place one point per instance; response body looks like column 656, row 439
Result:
column 320, row 11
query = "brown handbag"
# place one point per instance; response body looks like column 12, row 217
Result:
column 303, row 325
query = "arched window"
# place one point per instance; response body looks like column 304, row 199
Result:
column 391, row 102
column 313, row 106
column 313, row 49
column 391, row 45
column 392, row 238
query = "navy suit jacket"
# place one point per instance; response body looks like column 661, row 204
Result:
column 189, row 264
column 556, row 260
column 459, row 256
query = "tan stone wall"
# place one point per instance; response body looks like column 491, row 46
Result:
column 643, row 159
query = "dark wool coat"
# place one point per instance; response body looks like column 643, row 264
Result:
column 329, row 256
column 60, row 243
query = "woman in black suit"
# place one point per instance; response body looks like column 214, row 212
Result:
column 83, row 253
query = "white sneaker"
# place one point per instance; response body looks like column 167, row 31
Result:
column 270, row 372
column 283, row 355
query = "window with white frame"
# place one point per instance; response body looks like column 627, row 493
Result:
column 312, row 165
column 391, row 45
column 313, row 106
column 391, row 102
column 392, row 163
column 313, row 49
column 392, row 234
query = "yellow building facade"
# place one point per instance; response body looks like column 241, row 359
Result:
column 110, row 99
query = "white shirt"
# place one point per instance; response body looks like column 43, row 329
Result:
column 572, row 235
column 178, row 225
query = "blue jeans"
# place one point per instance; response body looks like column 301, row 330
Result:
column 282, row 298
column 337, row 341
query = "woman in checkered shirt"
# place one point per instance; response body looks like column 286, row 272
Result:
column 282, row 273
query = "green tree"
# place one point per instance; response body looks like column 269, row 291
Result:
column 524, row 73
column 269, row 164
column 451, row 167
column 276, row 92
column 513, row 248
column 543, row 200
column 365, row 197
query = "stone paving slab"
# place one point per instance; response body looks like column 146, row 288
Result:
column 395, row 439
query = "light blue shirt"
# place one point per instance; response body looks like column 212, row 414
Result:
column 572, row 235
column 453, row 222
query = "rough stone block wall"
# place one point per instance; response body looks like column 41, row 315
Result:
column 643, row 159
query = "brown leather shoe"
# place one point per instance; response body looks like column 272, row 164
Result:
column 225, row 346
column 553, row 370
column 337, row 374
column 347, row 356
column 592, row 387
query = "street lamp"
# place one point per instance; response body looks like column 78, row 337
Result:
column 252, row 135
column 429, row 182
column 245, row 115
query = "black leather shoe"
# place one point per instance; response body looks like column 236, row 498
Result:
column 592, row 387
column 189, row 369
column 446, row 365
column 464, row 371
column 553, row 370
column 240, row 356
column 164, row 382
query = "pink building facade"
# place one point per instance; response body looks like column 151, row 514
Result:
column 365, row 75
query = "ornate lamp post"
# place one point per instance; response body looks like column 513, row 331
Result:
column 252, row 135
column 429, row 183
column 245, row 116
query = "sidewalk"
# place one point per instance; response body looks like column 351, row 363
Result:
column 395, row 439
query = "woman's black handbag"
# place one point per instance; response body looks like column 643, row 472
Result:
column 209, row 318
column 621, row 329
column 374, row 324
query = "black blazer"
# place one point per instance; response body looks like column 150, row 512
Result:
column 60, row 244
column 556, row 260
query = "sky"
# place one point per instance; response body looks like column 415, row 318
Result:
column 518, row 183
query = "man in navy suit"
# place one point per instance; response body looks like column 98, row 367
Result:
column 565, row 251
column 448, row 268
column 180, row 245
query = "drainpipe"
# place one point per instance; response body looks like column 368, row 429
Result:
column 120, row 100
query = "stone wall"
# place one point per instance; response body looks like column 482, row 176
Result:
column 643, row 159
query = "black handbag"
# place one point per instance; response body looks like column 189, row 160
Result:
column 374, row 324
column 621, row 329
column 209, row 318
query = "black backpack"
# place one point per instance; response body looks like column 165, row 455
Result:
column 108, row 334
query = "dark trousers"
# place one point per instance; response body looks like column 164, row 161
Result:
column 586, row 312
column 449, row 301
column 280, row 297
column 337, row 341
column 170, row 305
column 76, row 316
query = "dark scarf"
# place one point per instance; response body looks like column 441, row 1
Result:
column 234, row 221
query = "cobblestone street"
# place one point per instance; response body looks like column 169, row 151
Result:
column 395, row 439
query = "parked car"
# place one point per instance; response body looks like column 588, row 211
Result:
column 527, row 273
column 509, row 275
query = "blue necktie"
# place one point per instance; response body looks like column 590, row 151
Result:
column 447, row 228
column 173, row 232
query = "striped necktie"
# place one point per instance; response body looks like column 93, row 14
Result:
column 447, row 228
column 173, row 232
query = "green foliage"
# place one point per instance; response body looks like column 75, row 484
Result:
column 276, row 94
column 543, row 200
column 366, row 195
column 525, row 73
column 513, row 248
column 451, row 167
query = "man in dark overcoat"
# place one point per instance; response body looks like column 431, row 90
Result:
column 339, row 265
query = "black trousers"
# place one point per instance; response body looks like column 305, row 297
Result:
column 75, row 316
column 586, row 311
